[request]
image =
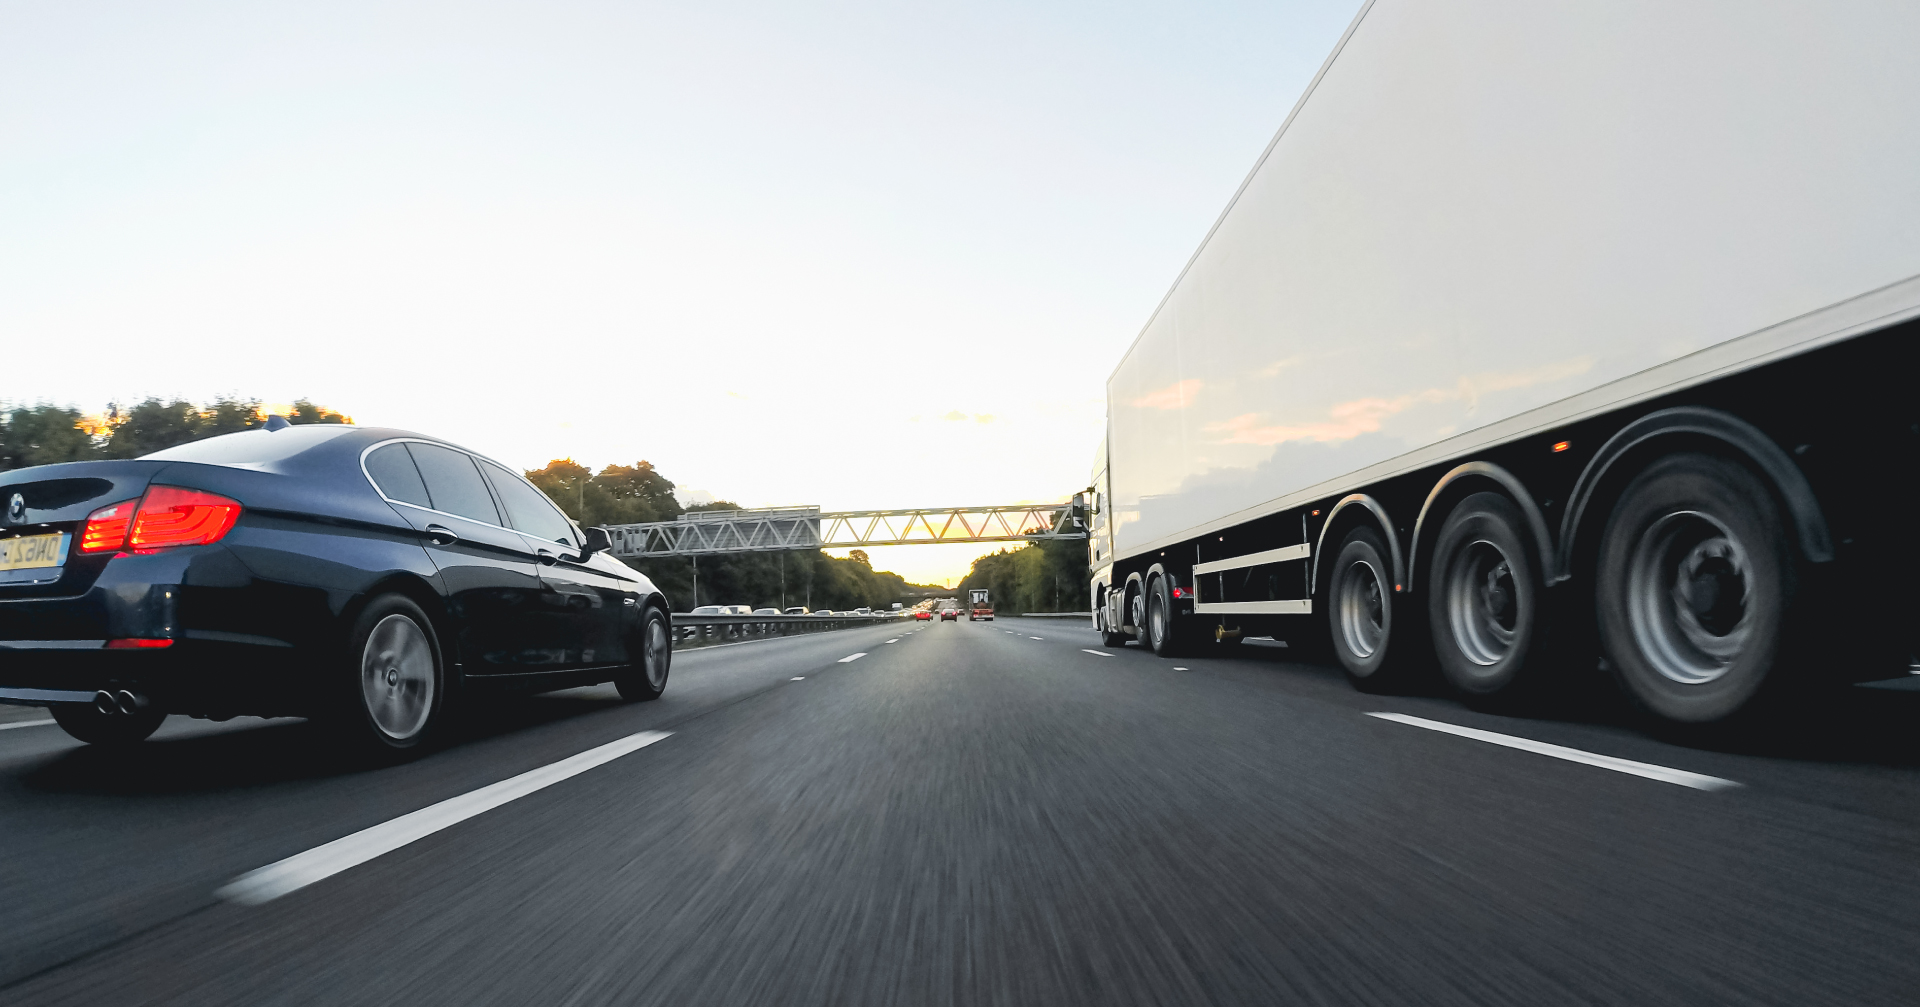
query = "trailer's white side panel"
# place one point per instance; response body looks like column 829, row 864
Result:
column 1489, row 209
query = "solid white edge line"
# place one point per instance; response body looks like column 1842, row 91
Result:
column 302, row 869
column 26, row 723
column 1678, row 777
column 1096, row 653
column 851, row 657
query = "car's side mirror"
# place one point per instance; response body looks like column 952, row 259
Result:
column 597, row 541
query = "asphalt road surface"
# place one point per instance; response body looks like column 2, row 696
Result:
column 973, row 813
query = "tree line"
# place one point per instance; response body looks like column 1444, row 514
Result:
column 638, row 493
column 1046, row 576
column 45, row 434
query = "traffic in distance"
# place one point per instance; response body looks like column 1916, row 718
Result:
column 368, row 578
column 1648, row 411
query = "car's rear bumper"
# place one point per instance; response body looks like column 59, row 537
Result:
column 217, row 640
column 188, row 676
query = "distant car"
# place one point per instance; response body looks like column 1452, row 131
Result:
column 710, row 610
column 949, row 615
column 347, row 573
column 798, row 610
column 863, row 610
column 739, row 610
column 821, row 612
column 766, row 611
column 923, row 615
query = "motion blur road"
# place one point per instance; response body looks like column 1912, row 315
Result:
column 980, row 813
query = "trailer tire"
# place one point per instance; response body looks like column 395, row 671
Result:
column 1164, row 634
column 1484, row 599
column 1695, row 590
column 1360, row 613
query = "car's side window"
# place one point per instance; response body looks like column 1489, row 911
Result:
column 394, row 473
column 529, row 510
column 454, row 484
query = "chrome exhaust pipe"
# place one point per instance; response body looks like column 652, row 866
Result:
column 105, row 703
column 129, row 702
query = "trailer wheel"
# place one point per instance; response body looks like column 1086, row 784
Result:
column 1695, row 588
column 1360, row 612
column 1483, row 597
column 1164, row 633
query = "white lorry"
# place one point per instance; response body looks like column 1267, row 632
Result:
column 1587, row 325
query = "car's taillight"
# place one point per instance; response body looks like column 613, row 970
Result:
column 106, row 528
column 171, row 516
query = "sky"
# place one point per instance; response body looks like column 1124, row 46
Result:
column 857, row 255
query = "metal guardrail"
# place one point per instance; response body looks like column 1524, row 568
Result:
column 709, row 630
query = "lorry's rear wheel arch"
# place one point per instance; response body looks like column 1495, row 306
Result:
column 1353, row 511
column 1642, row 443
column 1457, row 485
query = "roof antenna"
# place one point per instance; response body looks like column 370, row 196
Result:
column 277, row 422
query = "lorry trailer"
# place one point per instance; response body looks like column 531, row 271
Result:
column 1543, row 339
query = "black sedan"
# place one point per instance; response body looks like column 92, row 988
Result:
column 372, row 578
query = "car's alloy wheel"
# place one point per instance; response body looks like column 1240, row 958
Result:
column 645, row 678
column 399, row 688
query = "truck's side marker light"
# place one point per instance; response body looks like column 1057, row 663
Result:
column 1560, row 446
column 1179, row 592
column 135, row 643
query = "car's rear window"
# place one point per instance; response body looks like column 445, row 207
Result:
column 253, row 447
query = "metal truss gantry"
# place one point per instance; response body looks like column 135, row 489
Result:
column 779, row 529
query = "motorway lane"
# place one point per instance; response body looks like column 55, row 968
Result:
column 97, row 848
column 973, row 815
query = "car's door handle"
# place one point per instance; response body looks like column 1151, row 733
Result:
column 547, row 557
column 440, row 534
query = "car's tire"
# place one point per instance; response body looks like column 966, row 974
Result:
column 106, row 730
column 1484, row 599
column 645, row 678
column 397, row 692
column 1361, row 613
column 1694, row 591
column 1165, row 634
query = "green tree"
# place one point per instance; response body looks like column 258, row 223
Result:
column 43, row 435
column 304, row 411
column 150, row 426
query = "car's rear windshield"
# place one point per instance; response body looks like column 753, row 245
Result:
column 253, row 447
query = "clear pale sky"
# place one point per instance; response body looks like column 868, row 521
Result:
column 858, row 255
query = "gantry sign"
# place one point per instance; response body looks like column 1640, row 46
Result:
column 778, row 529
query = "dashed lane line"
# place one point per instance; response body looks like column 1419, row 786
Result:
column 26, row 723
column 1036, row 638
column 1096, row 653
column 1678, row 777
column 302, row 869
column 894, row 640
column 797, row 678
column 850, row 658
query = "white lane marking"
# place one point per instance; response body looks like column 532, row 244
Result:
column 302, row 869
column 1179, row 669
column 1035, row 638
column 894, row 640
column 26, row 723
column 1096, row 653
column 1679, row 777
column 797, row 678
column 851, row 658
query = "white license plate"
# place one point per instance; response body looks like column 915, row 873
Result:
column 29, row 552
